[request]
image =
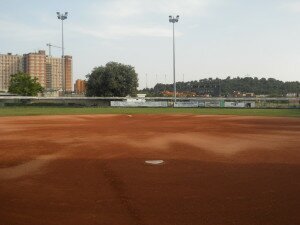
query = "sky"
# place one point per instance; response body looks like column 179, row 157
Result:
column 214, row 38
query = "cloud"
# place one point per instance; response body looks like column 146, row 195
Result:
column 131, row 8
column 291, row 6
column 19, row 30
column 112, row 19
column 118, row 32
column 115, row 19
column 118, row 9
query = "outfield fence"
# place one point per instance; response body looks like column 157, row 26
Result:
column 6, row 101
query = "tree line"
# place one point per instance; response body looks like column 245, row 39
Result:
column 119, row 80
column 226, row 87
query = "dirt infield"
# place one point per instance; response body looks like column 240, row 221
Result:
column 86, row 170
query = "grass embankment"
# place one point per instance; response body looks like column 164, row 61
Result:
column 27, row 111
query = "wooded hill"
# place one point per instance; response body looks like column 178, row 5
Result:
column 227, row 87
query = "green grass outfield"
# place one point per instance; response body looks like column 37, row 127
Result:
column 28, row 111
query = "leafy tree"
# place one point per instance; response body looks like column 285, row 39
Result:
column 23, row 84
column 113, row 79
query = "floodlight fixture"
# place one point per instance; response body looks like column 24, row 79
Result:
column 62, row 16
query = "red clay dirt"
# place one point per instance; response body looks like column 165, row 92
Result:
column 86, row 170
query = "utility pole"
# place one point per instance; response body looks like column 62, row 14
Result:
column 219, row 87
column 146, row 81
column 165, row 82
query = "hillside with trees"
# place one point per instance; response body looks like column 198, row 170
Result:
column 229, row 86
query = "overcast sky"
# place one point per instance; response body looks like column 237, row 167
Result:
column 214, row 38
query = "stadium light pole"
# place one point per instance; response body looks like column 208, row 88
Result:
column 62, row 17
column 174, row 20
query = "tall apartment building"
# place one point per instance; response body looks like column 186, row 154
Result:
column 68, row 72
column 54, row 76
column 80, row 86
column 9, row 64
column 47, row 69
column 54, row 79
column 35, row 65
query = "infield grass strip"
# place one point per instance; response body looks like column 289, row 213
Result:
column 27, row 111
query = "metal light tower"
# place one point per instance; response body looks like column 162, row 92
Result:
column 174, row 20
column 62, row 17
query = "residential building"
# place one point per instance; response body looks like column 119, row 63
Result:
column 53, row 74
column 35, row 65
column 292, row 95
column 47, row 69
column 9, row 64
column 68, row 73
column 80, row 86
